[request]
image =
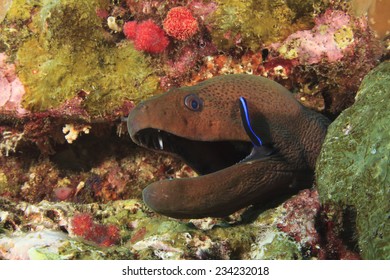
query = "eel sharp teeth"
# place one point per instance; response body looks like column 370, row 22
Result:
column 160, row 142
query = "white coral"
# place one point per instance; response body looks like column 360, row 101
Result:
column 72, row 131
column 9, row 142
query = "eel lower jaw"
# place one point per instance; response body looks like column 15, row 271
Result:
column 226, row 191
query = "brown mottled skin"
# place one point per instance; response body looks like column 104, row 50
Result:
column 213, row 141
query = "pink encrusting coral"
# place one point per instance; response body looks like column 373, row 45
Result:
column 11, row 88
column 147, row 36
column 180, row 23
column 331, row 38
column 104, row 235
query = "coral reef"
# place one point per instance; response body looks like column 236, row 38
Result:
column 299, row 62
column 353, row 165
column 337, row 232
column 70, row 67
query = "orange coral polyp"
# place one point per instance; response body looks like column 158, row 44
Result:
column 180, row 24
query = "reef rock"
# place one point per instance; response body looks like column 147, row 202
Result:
column 63, row 230
column 352, row 170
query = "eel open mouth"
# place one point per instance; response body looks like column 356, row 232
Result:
column 234, row 173
column 203, row 156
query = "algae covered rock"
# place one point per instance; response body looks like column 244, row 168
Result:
column 259, row 21
column 353, row 167
column 68, row 53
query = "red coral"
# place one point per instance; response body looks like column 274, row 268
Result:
column 180, row 23
column 104, row 235
column 82, row 224
column 129, row 29
column 147, row 36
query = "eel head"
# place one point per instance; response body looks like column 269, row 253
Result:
column 208, row 128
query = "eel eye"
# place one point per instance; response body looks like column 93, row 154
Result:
column 193, row 102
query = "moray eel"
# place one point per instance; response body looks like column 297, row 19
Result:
column 247, row 137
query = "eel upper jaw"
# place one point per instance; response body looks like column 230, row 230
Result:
column 203, row 156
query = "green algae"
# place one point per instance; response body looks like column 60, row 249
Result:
column 258, row 22
column 20, row 10
column 13, row 29
column 352, row 170
column 69, row 52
